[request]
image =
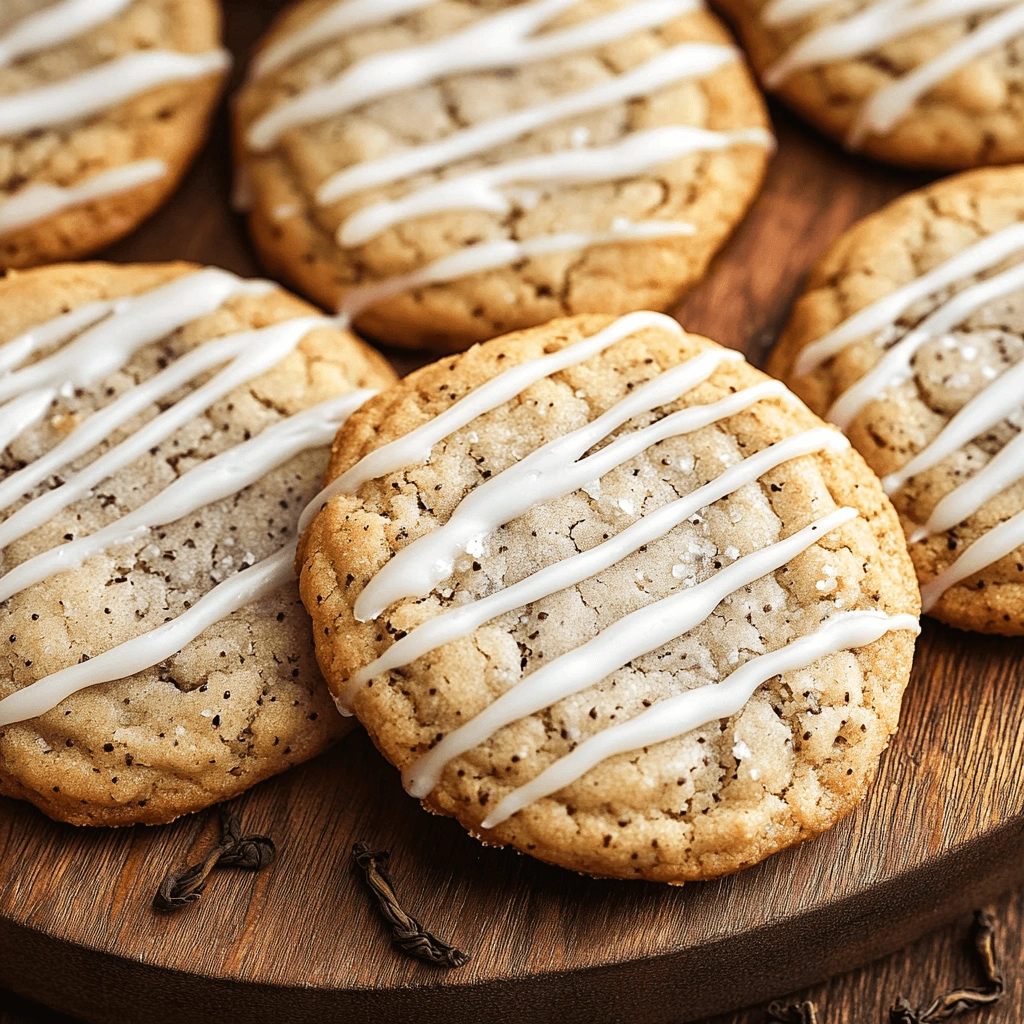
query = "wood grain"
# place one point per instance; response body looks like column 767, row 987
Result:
column 941, row 829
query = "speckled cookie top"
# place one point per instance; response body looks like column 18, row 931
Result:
column 933, row 84
column 103, row 103
column 244, row 699
column 716, row 795
column 925, row 300
column 451, row 169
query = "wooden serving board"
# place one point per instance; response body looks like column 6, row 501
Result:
column 941, row 829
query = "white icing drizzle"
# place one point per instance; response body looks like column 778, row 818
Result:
column 679, row 715
column 416, row 446
column 887, row 107
column 482, row 190
column 630, row 637
column 975, row 259
column 210, row 481
column 107, row 334
column 686, row 60
column 476, row 259
column 1003, row 470
column 337, row 20
column 988, row 549
column 461, row 621
column 879, row 23
column 54, row 25
column 989, row 407
column 149, row 649
column 549, row 472
column 261, row 349
column 37, row 202
column 104, row 86
column 896, row 365
column 870, row 28
column 133, row 322
column 501, row 40
column 20, row 413
column 981, row 413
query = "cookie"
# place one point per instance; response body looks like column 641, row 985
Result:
column 665, row 659
column 910, row 336
column 930, row 84
column 163, row 427
column 103, row 105
column 444, row 171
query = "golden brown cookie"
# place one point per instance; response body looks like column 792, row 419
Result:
column 922, row 84
column 911, row 337
column 103, row 106
column 164, row 427
column 664, row 659
column 448, row 170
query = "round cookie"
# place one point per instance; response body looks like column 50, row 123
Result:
column 103, row 106
column 934, row 84
column 164, row 427
column 911, row 336
column 528, row 631
column 448, row 170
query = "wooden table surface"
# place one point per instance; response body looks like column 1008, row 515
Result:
column 931, row 965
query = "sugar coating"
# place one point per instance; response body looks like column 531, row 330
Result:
column 169, row 123
column 244, row 700
column 887, row 250
column 711, row 190
column 973, row 117
column 694, row 807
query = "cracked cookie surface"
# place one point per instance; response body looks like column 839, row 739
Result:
column 971, row 364
column 64, row 192
column 909, row 84
column 719, row 797
column 244, row 700
column 304, row 198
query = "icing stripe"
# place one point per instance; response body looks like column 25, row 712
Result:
column 416, row 446
column 55, row 332
column 630, row 637
column 463, row 620
column 213, row 480
column 550, row 472
column 679, row 715
column 337, row 20
column 54, row 25
column 133, row 323
column 262, row 349
column 20, row 413
column 981, row 413
column 996, row 544
column 37, row 202
column 687, row 60
column 149, row 649
column 889, row 105
column 869, row 29
column 475, row 259
column 975, row 259
column 1003, row 470
column 96, row 428
column 501, row 40
column 104, row 86
column 481, row 190
column 895, row 365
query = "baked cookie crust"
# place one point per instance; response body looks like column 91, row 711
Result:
column 973, row 115
column 795, row 759
column 967, row 360
column 707, row 189
column 244, row 700
column 153, row 134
